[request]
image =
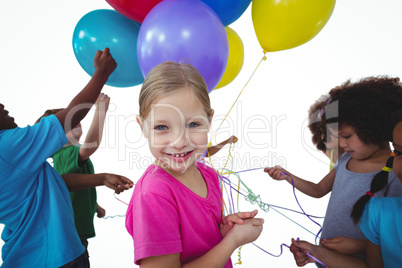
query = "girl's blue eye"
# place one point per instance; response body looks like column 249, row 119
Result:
column 161, row 127
column 193, row 124
column 397, row 153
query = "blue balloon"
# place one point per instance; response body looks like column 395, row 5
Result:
column 228, row 10
column 107, row 28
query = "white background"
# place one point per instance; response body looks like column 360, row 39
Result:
column 39, row 71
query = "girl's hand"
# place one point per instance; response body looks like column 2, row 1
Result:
column 117, row 183
column 232, row 139
column 277, row 173
column 239, row 217
column 298, row 248
column 245, row 233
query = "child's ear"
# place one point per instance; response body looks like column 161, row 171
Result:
column 143, row 125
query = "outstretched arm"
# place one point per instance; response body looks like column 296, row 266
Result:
column 83, row 101
column 346, row 245
column 330, row 258
column 316, row 190
column 95, row 132
column 214, row 149
column 77, row 182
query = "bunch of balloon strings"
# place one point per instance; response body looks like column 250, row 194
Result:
column 248, row 193
column 242, row 189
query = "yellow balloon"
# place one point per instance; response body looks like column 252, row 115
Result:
column 285, row 24
column 235, row 60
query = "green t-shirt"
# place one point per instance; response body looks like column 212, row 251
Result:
column 84, row 203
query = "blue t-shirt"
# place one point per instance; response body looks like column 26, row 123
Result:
column 381, row 224
column 35, row 204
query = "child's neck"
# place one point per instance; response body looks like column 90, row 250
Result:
column 371, row 164
column 191, row 178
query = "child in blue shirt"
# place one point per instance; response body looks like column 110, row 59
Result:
column 35, row 205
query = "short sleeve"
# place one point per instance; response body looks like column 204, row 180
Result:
column 29, row 147
column 370, row 221
column 156, row 227
column 66, row 160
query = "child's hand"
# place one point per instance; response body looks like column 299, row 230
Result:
column 277, row 173
column 345, row 245
column 117, row 183
column 104, row 62
column 239, row 217
column 232, row 139
column 102, row 102
column 100, row 211
column 245, row 233
column 298, row 248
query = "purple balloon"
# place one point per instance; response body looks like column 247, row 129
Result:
column 186, row 31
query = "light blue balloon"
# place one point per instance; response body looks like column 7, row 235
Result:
column 228, row 10
column 107, row 28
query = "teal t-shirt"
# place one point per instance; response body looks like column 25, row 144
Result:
column 35, row 207
column 66, row 160
column 381, row 224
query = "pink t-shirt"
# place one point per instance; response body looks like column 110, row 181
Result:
column 165, row 217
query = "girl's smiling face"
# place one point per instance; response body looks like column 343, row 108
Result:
column 397, row 143
column 177, row 131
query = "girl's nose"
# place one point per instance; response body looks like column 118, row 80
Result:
column 342, row 143
column 181, row 140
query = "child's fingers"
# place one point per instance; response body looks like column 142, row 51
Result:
column 257, row 221
column 106, row 51
column 98, row 54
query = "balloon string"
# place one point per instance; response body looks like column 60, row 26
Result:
column 294, row 193
column 304, row 213
column 258, row 65
column 114, row 216
column 119, row 199
column 252, row 198
column 284, row 245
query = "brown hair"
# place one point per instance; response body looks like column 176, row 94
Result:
column 317, row 127
column 167, row 77
column 49, row 112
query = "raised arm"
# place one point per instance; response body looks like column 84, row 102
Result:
column 316, row 190
column 214, row 149
column 83, row 101
column 95, row 132
column 77, row 182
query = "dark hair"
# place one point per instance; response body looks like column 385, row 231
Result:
column 316, row 126
column 49, row 112
column 368, row 106
column 397, row 117
column 379, row 182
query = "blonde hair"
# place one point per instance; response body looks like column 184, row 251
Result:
column 167, row 77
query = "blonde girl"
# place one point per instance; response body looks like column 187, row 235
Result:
column 175, row 213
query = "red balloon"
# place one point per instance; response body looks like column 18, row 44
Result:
column 133, row 9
